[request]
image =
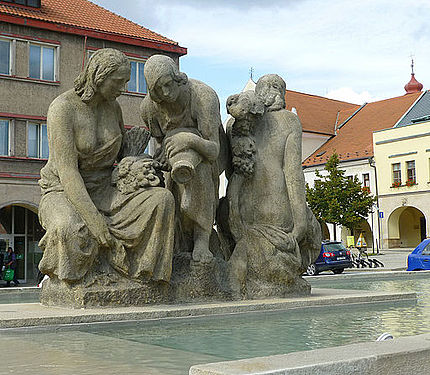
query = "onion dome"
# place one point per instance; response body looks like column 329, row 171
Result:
column 413, row 85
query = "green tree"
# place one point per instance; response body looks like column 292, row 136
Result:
column 338, row 199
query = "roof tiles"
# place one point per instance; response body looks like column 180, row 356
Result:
column 318, row 114
column 354, row 139
column 84, row 14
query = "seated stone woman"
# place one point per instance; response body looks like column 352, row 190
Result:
column 95, row 231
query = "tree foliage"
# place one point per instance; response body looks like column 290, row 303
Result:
column 338, row 199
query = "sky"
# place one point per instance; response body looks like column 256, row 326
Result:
column 356, row 51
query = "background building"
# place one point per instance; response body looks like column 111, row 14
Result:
column 402, row 156
column 44, row 44
column 354, row 144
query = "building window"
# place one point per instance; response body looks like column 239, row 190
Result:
column 4, row 137
column 410, row 167
column 5, row 64
column 42, row 62
column 37, row 141
column 397, row 173
column 29, row 3
column 366, row 181
column 137, row 81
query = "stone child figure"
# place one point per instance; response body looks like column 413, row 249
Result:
column 183, row 117
column 246, row 109
column 279, row 236
column 94, row 227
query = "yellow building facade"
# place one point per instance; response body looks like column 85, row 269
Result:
column 402, row 158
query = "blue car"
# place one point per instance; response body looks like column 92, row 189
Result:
column 334, row 256
column 419, row 259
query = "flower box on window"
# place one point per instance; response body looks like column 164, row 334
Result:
column 396, row 184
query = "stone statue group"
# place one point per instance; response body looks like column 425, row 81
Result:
column 127, row 228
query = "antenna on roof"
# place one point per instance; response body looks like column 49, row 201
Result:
column 251, row 71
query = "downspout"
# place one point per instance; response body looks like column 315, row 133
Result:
column 372, row 164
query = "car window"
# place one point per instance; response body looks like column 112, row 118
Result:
column 334, row 247
column 426, row 250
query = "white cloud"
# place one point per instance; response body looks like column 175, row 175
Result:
column 316, row 45
column 347, row 94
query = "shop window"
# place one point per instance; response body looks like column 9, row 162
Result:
column 410, row 167
column 19, row 220
column 137, row 81
column 37, row 141
column 397, row 173
column 6, row 220
column 5, row 56
column 42, row 62
column 4, row 137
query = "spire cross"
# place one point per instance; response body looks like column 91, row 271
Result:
column 412, row 63
column 251, row 71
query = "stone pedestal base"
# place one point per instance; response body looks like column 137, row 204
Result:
column 126, row 293
column 191, row 282
column 194, row 281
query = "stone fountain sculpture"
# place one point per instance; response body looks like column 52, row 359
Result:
column 103, row 223
column 125, row 228
column 272, row 233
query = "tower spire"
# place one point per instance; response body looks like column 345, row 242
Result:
column 413, row 85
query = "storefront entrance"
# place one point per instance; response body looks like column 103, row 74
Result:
column 20, row 229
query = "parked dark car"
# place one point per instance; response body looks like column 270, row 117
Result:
column 419, row 259
column 334, row 256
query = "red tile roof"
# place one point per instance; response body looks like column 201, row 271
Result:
column 86, row 18
column 354, row 138
column 318, row 114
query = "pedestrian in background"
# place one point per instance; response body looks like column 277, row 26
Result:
column 11, row 263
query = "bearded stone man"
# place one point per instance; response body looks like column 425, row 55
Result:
column 279, row 236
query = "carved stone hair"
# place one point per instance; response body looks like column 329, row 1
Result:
column 158, row 66
column 104, row 62
column 273, row 80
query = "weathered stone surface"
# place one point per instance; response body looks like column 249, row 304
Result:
column 112, row 231
column 122, row 293
column 101, row 223
column 271, row 232
column 183, row 116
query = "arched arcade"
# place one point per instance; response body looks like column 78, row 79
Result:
column 406, row 227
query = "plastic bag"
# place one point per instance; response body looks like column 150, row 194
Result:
column 8, row 274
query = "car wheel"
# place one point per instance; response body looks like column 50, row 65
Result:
column 312, row 270
column 338, row 271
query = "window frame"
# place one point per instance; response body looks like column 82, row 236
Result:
column 9, row 136
column 12, row 49
column 137, row 61
column 394, row 178
column 413, row 171
column 56, row 49
column 366, row 180
column 39, row 139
